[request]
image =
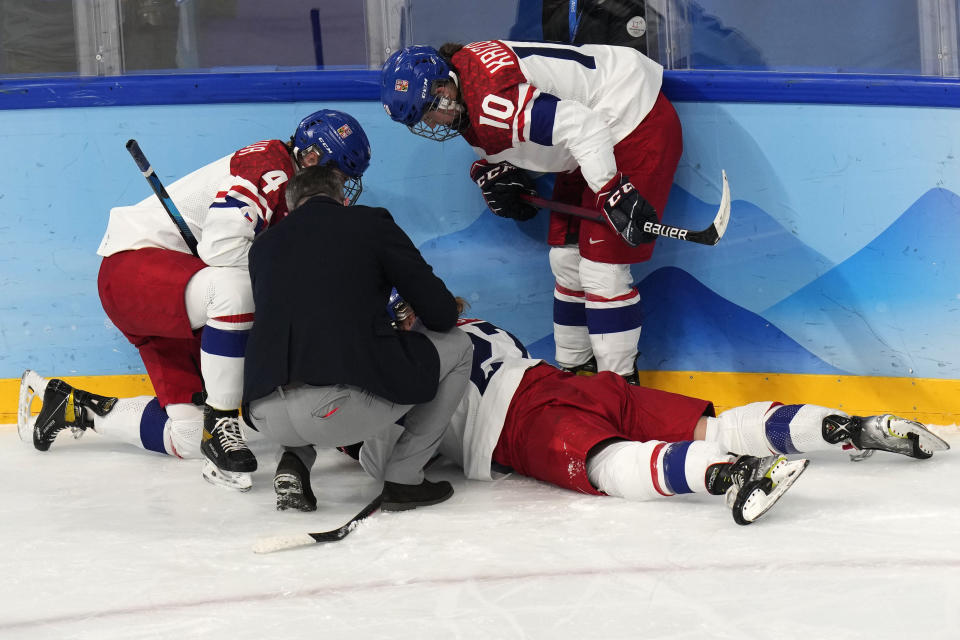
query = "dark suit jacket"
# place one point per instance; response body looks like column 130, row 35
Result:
column 321, row 281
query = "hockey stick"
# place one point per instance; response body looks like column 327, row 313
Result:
column 709, row 236
column 162, row 194
column 279, row 543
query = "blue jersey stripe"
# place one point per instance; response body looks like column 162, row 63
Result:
column 229, row 202
column 562, row 53
column 542, row 115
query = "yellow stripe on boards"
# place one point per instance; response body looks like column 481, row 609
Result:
column 929, row 400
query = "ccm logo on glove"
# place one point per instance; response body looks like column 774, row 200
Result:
column 502, row 186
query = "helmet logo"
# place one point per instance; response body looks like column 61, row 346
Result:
column 344, row 131
column 401, row 85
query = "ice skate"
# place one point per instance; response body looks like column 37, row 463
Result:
column 229, row 461
column 32, row 384
column 885, row 432
column 63, row 407
column 291, row 483
column 235, row 480
column 753, row 485
column 588, row 368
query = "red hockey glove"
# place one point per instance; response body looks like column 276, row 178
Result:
column 502, row 184
column 626, row 210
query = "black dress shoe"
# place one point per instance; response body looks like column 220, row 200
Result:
column 400, row 497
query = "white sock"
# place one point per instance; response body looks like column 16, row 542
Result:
column 123, row 421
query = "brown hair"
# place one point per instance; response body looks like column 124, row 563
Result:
column 448, row 50
column 317, row 180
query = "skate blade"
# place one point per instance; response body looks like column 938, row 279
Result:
column 228, row 479
column 759, row 497
column 927, row 442
column 32, row 384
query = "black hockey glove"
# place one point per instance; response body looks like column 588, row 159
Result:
column 626, row 210
column 502, row 184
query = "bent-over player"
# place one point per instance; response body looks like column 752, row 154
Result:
column 189, row 316
column 592, row 114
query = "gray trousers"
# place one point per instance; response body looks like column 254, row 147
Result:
column 300, row 416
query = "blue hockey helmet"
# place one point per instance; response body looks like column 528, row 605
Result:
column 407, row 89
column 339, row 140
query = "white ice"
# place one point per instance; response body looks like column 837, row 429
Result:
column 100, row 540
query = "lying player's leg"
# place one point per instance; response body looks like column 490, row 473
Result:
column 580, row 450
column 647, row 470
column 570, row 431
column 761, row 428
column 140, row 421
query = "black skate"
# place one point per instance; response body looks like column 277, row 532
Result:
column 228, row 459
column 588, row 368
column 291, row 483
column 63, row 407
column 753, row 485
column 634, row 376
column 885, row 432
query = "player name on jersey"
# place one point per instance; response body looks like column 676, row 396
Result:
column 493, row 54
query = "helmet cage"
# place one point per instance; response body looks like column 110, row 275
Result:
column 352, row 189
column 339, row 141
column 352, row 186
column 439, row 132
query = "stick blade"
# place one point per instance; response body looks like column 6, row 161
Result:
column 270, row 544
column 723, row 215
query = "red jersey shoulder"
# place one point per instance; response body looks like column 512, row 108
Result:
column 488, row 66
column 253, row 161
column 268, row 165
column 489, row 85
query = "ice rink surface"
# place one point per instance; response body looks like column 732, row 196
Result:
column 101, row 540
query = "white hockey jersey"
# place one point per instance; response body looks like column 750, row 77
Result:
column 225, row 204
column 551, row 107
column 499, row 362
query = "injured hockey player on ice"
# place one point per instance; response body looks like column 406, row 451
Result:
column 600, row 435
